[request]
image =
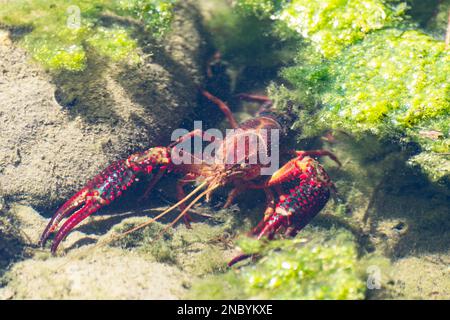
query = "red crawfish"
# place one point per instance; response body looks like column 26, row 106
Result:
column 295, row 193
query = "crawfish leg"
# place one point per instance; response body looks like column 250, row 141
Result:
column 223, row 107
column 232, row 195
column 270, row 205
column 317, row 153
column 152, row 183
column 265, row 102
column 238, row 259
column 270, row 209
column 189, row 178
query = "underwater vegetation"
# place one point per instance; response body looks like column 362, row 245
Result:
column 199, row 253
column 314, row 265
column 368, row 69
column 61, row 35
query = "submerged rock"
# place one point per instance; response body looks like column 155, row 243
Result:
column 139, row 266
column 11, row 239
column 110, row 274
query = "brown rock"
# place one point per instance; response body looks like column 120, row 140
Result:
column 59, row 131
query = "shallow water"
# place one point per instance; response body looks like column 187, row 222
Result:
column 59, row 131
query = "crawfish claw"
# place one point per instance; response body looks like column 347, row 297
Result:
column 274, row 223
column 238, row 258
column 66, row 209
column 89, row 208
column 98, row 192
column 105, row 188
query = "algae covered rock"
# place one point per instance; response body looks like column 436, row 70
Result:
column 61, row 34
column 393, row 84
column 60, row 127
column 333, row 25
column 368, row 70
column 320, row 267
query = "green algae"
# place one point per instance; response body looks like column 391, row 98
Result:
column 61, row 36
column 155, row 14
column 405, row 76
column 330, row 25
column 393, row 84
column 435, row 165
column 377, row 75
column 151, row 240
column 114, row 43
column 322, row 267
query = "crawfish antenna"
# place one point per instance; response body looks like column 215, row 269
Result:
column 193, row 202
column 143, row 225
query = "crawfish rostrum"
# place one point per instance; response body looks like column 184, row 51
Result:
column 295, row 193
